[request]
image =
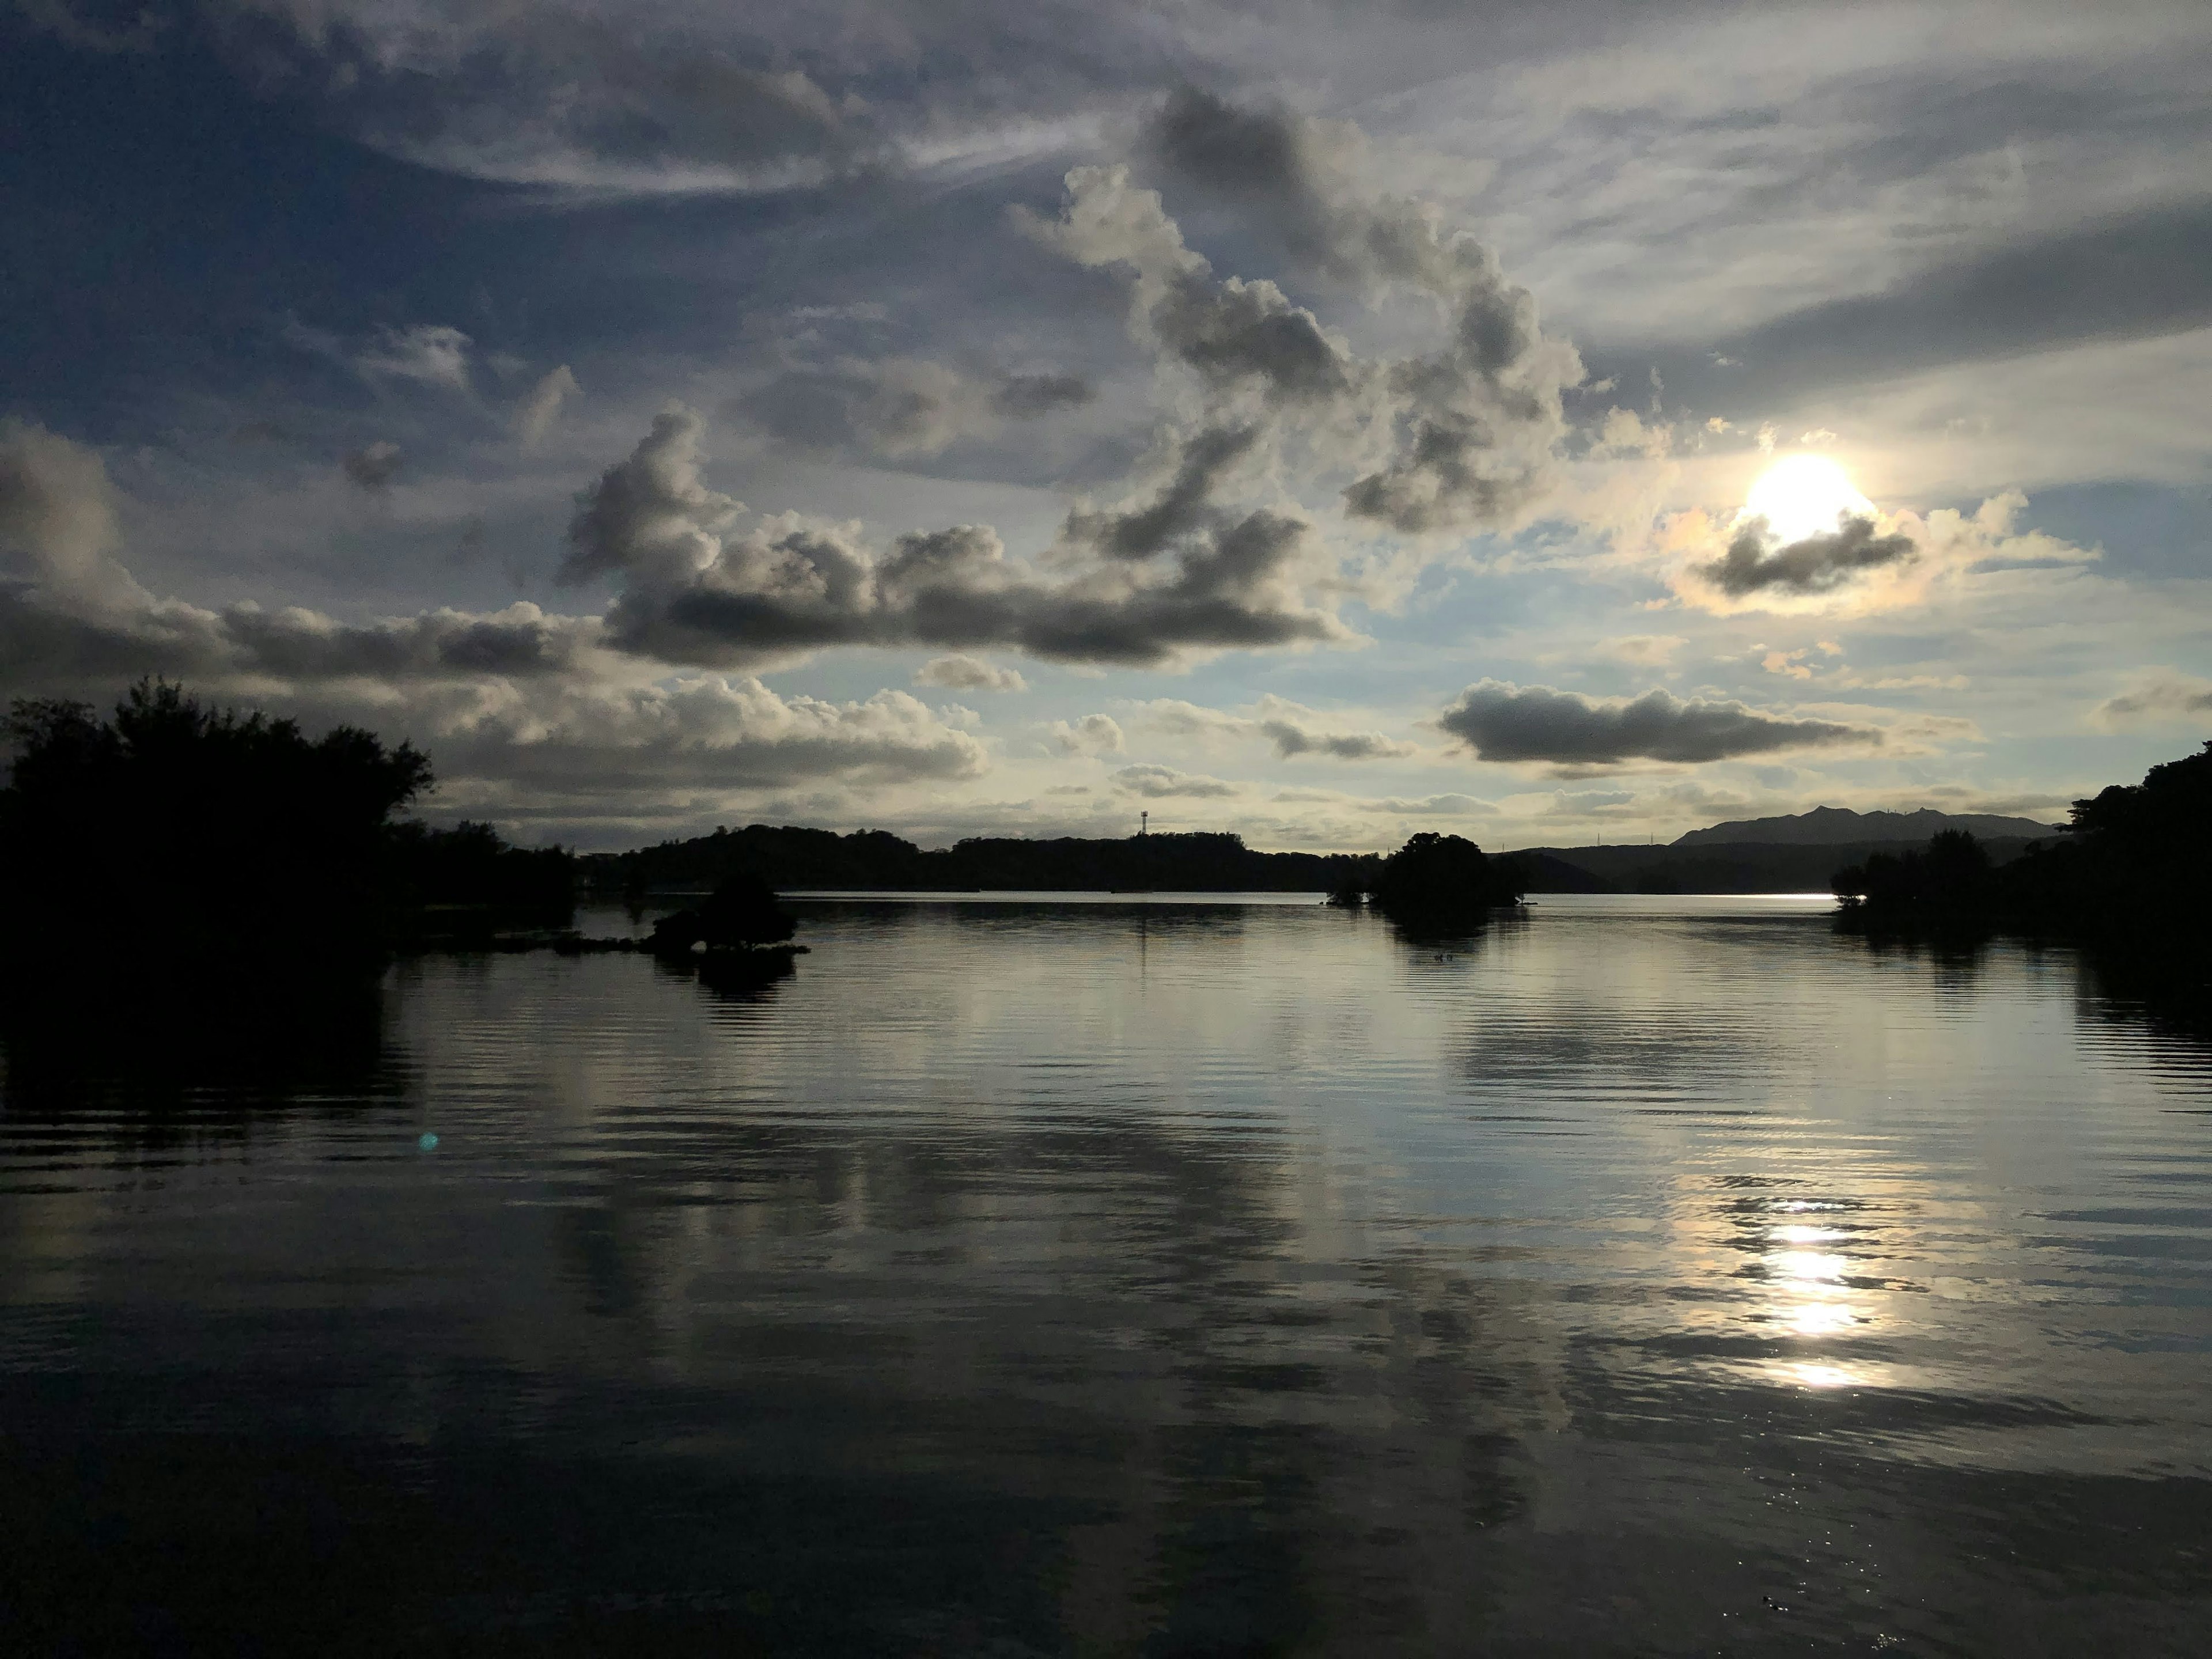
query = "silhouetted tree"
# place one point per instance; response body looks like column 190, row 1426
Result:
column 2128, row 878
column 1953, row 878
column 1437, row 885
column 741, row 915
column 472, row 867
column 171, row 828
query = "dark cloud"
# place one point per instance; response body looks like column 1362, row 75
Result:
column 1504, row 722
column 1164, row 782
column 1183, row 505
column 2163, row 694
column 1290, row 726
column 374, row 466
column 1292, row 739
column 552, row 97
column 902, row 407
column 1023, row 396
column 698, row 591
column 514, row 703
column 1814, row 565
column 1469, row 430
column 1235, row 335
column 1261, row 154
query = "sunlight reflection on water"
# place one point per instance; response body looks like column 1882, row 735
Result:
column 1173, row 1276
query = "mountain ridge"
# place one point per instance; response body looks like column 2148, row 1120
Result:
column 1826, row 826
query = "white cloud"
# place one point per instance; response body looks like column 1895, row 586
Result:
column 430, row 353
column 965, row 673
column 541, row 407
column 1093, row 734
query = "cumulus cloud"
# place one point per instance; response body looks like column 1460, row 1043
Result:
column 374, row 466
column 1094, row 734
column 965, row 673
column 1162, row 782
column 2161, row 696
column 1464, row 437
column 59, row 531
column 514, row 699
column 1812, row 565
column 1504, row 722
column 1471, row 427
column 1292, row 739
column 697, row 589
column 541, row 407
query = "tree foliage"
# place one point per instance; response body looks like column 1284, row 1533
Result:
column 1439, row 884
column 172, row 826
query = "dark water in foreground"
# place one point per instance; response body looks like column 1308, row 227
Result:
column 1652, row 1276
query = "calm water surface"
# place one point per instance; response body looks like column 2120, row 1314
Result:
column 1648, row 1276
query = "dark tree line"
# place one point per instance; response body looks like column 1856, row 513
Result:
column 174, row 831
column 793, row 858
column 2130, row 874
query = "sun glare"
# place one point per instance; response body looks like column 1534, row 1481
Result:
column 1804, row 496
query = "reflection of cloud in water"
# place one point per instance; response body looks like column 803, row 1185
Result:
column 1212, row 1253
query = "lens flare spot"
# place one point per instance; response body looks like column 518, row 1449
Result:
column 1804, row 496
column 428, row 1142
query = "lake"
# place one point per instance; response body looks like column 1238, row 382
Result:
column 1027, row 1276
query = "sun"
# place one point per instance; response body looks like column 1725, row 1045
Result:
column 1804, row 496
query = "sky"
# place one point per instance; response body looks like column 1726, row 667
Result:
column 1547, row 423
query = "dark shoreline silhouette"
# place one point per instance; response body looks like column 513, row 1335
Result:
column 2127, row 882
column 172, row 833
column 790, row 859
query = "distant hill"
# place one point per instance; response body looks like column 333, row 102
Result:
column 1720, row 867
column 1837, row 826
column 789, row 858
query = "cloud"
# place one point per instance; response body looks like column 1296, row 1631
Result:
column 1292, row 738
column 2138, row 272
column 429, row 354
column 1025, row 396
column 963, row 673
column 1473, row 425
column 554, row 98
column 2161, row 696
column 1162, row 782
column 1466, row 433
column 1645, row 650
column 1868, row 565
column 374, row 466
column 61, row 20
column 902, row 407
column 535, row 415
column 697, row 590
column 58, row 520
column 1504, row 722
column 1094, row 734
column 514, row 703
column 1290, row 727
column 1813, row 565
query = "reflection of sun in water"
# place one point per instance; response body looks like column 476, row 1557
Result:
column 1803, row 495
